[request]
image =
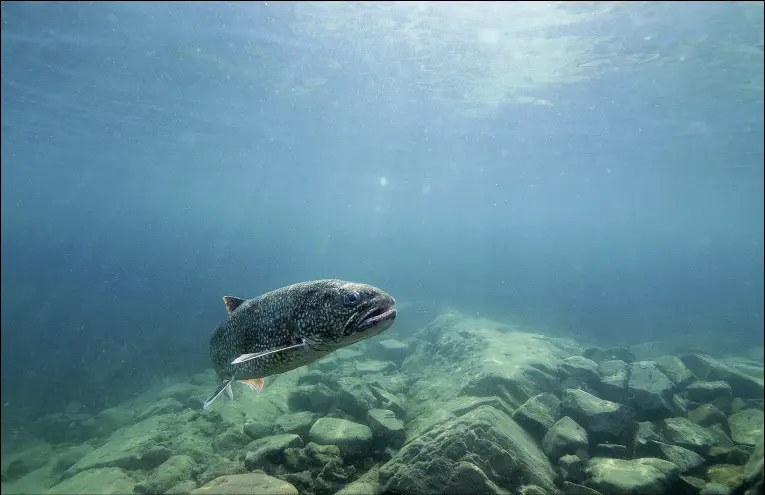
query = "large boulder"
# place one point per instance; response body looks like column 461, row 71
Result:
column 605, row 421
column 707, row 368
column 637, row 476
column 237, row 484
column 486, row 438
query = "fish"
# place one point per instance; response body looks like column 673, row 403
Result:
column 293, row 326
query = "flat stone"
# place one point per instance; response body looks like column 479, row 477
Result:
column 238, row 484
column 108, row 480
column 351, row 438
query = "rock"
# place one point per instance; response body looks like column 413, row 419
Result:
column 163, row 406
column 351, row 438
column 746, row 426
column 387, row 427
column 136, row 447
column 110, row 420
column 182, row 488
column 388, row 400
column 647, row 431
column 109, row 480
column 258, row 429
column 599, row 354
column 311, row 457
column 230, row 442
column 691, row 436
column 176, row 469
column 675, row 370
column 707, row 415
column 577, row 489
column 297, row 423
column 389, row 350
column 469, row 479
column 485, row 437
column 218, row 466
column 711, row 369
column 237, row 484
column 650, row 390
column 604, row 421
column 268, row 451
column 579, row 372
column 369, row 367
column 571, row 468
column 753, row 470
column 70, row 456
column 726, row 474
column 643, row 476
column 715, row 489
column 613, row 381
column 686, row 460
column 538, row 414
column 316, row 398
column 718, row 393
column 565, row 437
column 354, row 397
column 739, row 404
column 64, row 428
column 611, row 450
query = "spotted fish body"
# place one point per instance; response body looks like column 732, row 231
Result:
column 293, row 326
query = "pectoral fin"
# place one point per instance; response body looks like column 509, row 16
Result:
column 224, row 386
column 255, row 384
column 249, row 357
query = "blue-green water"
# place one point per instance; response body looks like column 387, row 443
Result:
column 589, row 170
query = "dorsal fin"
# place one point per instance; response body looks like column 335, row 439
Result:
column 232, row 303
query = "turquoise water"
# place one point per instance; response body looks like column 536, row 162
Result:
column 589, row 173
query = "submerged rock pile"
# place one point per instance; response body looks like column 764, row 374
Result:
column 465, row 406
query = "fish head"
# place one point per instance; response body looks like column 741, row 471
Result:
column 351, row 312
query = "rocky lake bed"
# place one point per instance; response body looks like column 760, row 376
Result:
column 465, row 405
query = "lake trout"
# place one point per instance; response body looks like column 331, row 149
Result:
column 293, row 326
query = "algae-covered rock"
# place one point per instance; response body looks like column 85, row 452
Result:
column 297, row 423
column 579, row 372
column 636, row 476
column 387, row 427
column 565, row 437
column 351, row 438
column 108, row 480
column 718, row 393
column 135, row 447
column 707, row 415
column 176, row 469
column 605, row 421
column 710, row 369
column 238, row 484
column 614, row 374
column 538, row 414
column 163, row 406
column 675, row 370
column 267, row 451
column 691, row 436
column 650, row 391
column 469, row 479
column 746, row 426
column 389, row 350
column 217, row 466
column 489, row 438
column 687, row 461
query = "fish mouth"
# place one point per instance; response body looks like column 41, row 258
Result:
column 380, row 318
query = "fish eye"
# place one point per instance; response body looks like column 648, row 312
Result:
column 352, row 297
